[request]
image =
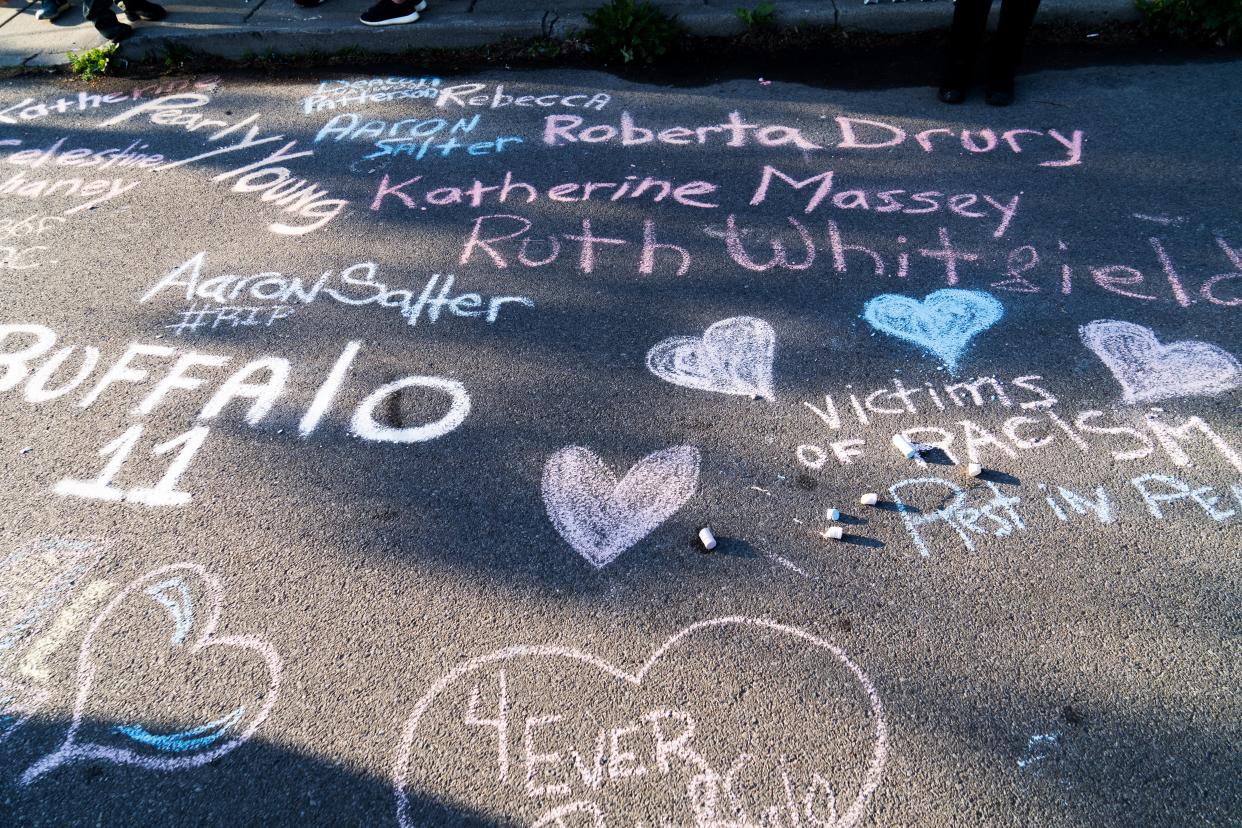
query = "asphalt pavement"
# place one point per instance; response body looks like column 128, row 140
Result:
column 360, row 433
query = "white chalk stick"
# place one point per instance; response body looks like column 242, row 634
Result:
column 833, row 514
column 869, row 499
column 835, row 533
column 707, row 538
column 904, row 446
column 974, row 470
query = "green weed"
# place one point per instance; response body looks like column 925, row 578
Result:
column 1213, row 21
column 546, row 46
column 762, row 16
column 633, row 32
column 175, row 55
column 92, row 63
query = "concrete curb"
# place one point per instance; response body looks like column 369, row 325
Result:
column 278, row 27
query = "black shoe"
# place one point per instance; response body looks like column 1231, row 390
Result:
column 144, row 10
column 388, row 13
column 113, row 29
column 51, row 9
column 1000, row 90
column 952, row 94
column 999, row 97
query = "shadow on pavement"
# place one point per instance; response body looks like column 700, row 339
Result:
column 257, row 784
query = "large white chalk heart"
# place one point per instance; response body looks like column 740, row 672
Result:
column 734, row 356
column 730, row 722
column 601, row 517
column 227, row 683
column 943, row 323
column 1147, row 370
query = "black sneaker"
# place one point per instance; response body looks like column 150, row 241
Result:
column 1000, row 90
column 388, row 13
column 51, row 9
column 144, row 10
column 952, row 94
column 113, row 29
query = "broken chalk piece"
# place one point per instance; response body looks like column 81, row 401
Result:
column 869, row 499
column 974, row 470
column 707, row 538
column 834, row 533
column 833, row 514
column 908, row 449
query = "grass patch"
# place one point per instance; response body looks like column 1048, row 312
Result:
column 1196, row 21
column 630, row 32
column 92, row 63
column 762, row 16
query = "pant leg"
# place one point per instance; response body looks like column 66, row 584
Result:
column 970, row 21
column 93, row 10
column 1016, row 17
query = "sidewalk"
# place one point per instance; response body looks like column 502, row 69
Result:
column 238, row 28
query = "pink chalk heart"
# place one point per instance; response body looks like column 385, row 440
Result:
column 157, row 687
column 601, row 517
column 731, row 721
column 1148, row 370
column 734, row 356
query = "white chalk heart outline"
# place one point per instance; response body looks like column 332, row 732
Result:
column 80, row 557
column 871, row 778
column 601, row 516
column 1148, row 370
column 71, row 750
column 733, row 356
column 943, row 323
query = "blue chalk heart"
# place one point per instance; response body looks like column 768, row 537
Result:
column 943, row 323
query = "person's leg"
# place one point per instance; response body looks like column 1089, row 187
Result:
column 52, row 9
column 1016, row 17
column 970, row 20
column 100, row 13
column 392, row 12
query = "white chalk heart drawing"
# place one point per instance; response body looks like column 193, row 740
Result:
column 731, row 721
column 36, row 580
column 191, row 642
column 734, row 356
column 943, row 323
column 601, row 517
column 1148, row 370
